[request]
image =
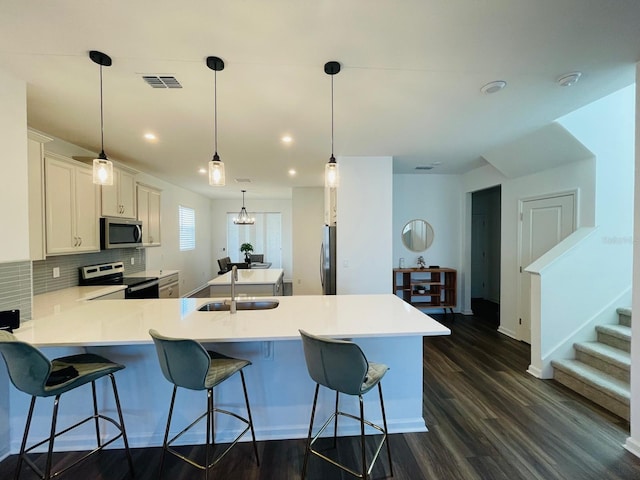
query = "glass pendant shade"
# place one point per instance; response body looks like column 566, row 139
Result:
column 243, row 217
column 331, row 174
column 102, row 170
column 216, row 172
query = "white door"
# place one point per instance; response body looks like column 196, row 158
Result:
column 544, row 223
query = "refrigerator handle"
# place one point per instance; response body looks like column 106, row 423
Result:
column 322, row 265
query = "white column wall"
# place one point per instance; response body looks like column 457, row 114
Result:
column 364, row 225
column 633, row 442
column 14, row 191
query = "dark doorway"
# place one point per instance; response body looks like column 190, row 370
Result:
column 485, row 254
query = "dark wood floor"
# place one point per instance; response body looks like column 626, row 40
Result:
column 487, row 419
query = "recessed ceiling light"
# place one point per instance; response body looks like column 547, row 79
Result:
column 287, row 139
column 150, row 136
column 493, row 87
column 202, row 170
column 569, row 79
column 292, row 172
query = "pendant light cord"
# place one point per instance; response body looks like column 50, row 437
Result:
column 215, row 112
column 332, row 116
column 101, row 116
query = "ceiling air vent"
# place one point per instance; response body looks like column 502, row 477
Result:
column 424, row 167
column 156, row 81
column 243, row 180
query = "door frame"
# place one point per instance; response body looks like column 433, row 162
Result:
column 576, row 216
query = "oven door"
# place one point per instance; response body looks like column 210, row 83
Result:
column 149, row 289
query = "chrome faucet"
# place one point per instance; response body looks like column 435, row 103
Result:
column 234, row 279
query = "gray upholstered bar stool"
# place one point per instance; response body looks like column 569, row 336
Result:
column 31, row 372
column 186, row 363
column 341, row 366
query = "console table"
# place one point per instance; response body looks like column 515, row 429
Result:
column 426, row 287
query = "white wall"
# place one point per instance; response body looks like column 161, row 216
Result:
column 364, row 225
column 308, row 219
column 436, row 199
column 14, row 195
column 633, row 442
column 14, row 192
column 577, row 175
column 219, row 210
column 194, row 265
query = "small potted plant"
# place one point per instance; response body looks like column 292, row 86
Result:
column 246, row 248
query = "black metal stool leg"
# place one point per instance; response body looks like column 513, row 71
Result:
column 121, row 419
column 253, row 433
column 386, row 430
column 335, row 426
column 95, row 413
column 308, row 447
column 24, row 438
column 166, row 432
column 362, row 444
column 209, row 432
column 54, row 419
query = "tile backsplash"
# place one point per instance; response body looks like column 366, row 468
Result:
column 44, row 282
column 15, row 287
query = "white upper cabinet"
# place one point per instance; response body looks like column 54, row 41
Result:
column 149, row 215
column 71, row 206
column 119, row 199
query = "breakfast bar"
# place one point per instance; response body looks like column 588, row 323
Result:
column 387, row 329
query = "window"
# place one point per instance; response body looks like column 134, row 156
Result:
column 265, row 236
column 187, row 221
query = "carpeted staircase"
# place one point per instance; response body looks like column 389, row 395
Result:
column 600, row 370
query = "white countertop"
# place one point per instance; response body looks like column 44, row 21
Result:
column 127, row 322
column 64, row 300
column 250, row 277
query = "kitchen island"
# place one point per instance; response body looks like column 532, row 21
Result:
column 254, row 282
column 387, row 329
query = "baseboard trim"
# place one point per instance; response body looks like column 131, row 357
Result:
column 633, row 446
column 535, row 371
column 506, row 332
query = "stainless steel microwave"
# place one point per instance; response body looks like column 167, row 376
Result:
column 120, row 233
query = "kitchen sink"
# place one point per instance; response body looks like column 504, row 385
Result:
column 225, row 305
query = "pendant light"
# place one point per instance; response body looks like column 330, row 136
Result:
column 243, row 217
column 102, row 166
column 216, row 166
column 331, row 171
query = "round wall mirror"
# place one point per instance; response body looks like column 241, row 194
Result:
column 417, row 235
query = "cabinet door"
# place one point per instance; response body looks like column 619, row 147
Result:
column 60, row 206
column 153, row 223
column 127, row 194
column 110, row 202
column 143, row 213
column 86, row 214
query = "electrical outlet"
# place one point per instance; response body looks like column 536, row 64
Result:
column 133, row 260
column 56, row 272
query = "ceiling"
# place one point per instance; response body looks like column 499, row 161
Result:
column 409, row 86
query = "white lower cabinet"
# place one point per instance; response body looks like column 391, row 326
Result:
column 170, row 286
column 71, row 206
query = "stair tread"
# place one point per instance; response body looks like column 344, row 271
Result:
column 596, row 378
column 606, row 353
column 624, row 311
column 616, row 330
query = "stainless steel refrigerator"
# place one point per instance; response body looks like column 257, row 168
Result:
column 328, row 261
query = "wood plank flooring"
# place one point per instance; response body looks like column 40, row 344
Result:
column 488, row 419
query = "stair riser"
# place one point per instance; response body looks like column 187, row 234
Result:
column 615, row 342
column 595, row 395
column 624, row 319
column 616, row 371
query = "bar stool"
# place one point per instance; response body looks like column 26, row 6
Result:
column 342, row 366
column 32, row 373
column 187, row 364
